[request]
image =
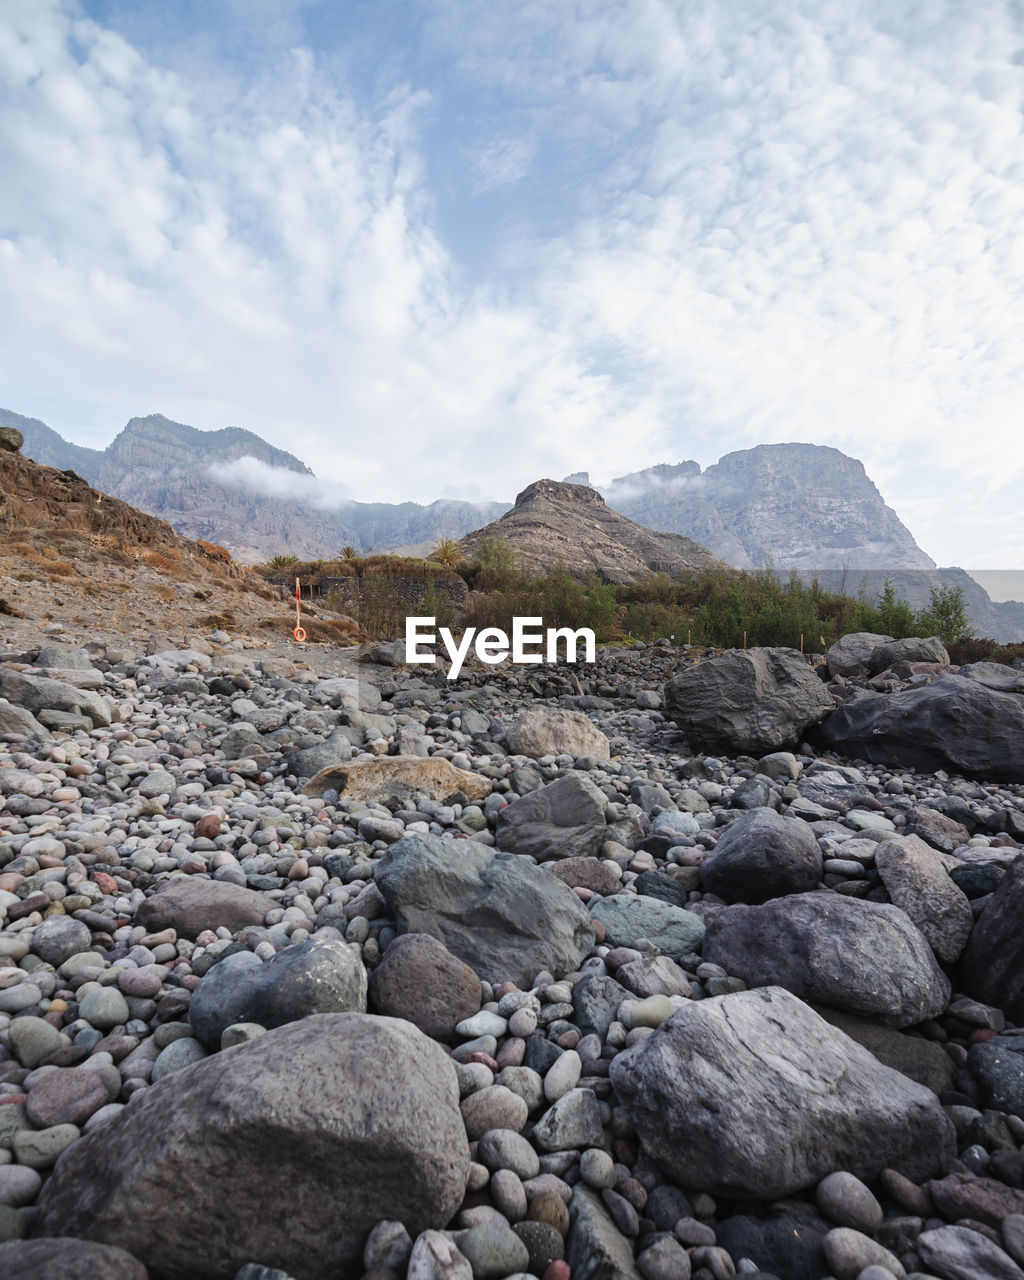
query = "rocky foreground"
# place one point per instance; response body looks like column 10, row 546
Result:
column 530, row 974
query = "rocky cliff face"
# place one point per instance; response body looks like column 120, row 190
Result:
column 556, row 523
column 164, row 467
column 801, row 506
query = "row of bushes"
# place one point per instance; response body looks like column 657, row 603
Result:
column 724, row 608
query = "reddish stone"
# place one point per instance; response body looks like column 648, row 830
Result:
column 70, row 1095
column 106, row 884
column 208, row 826
column 479, row 1056
column 624, row 1152
column 557, row 1271
column 34, row 902
column 980, row 1035
column 599, row 934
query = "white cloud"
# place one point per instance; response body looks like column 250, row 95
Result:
column 255, row 476
column 732, row 225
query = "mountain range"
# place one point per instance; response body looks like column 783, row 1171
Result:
column 794, row 506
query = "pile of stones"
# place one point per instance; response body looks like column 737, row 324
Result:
column 382, row 975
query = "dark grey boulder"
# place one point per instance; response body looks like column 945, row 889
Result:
column 939, row 830
column 799, row 1099
column 958, row 1253
column 998, row 1066
column 595, row 1002
column 628, row 918
column 762, row 855
column 850, row 653
column 39, row 694
column 57, row 938
column 565, row 819
column 953, row 723
column 911, row 1055
column 752, row 700
column 997, row 675
column 788, row 1244
column 501, row 914
column 343, row 1110
column 70, row 1259
column 595, row 1248
column 863, row 957
column 992, row 965
column 323, row 975
column 913, row 649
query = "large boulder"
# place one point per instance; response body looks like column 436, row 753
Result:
column 751, row 700
column 913, row 649
column 420, row 980
column 919, row 884
column 630, row 917
column 565, row 819
column 15, row 719
column 11, row 439
column 38, row 694
column 997, row 675
column 800, row 1100
column 911, row 1055
column 554, row 731
column 992, row 967
column 762, row 855
column 323, row 975
column 850, row 653
column 863, row 957
column 501, row 914
column 403, row 779
column 346, row 1110
column 998, row 1067
column 953, row 723
column 192, row 905
column 70, row 1259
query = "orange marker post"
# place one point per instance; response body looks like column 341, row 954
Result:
column 298, row 633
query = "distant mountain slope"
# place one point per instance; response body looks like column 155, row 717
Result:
column 570, row 524
column 186, row 477
column 45, row 446
column 803, row 506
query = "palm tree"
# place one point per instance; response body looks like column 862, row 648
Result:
column 446, row 551
column 349, row 553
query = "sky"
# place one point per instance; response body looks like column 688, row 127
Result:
column 442, row 249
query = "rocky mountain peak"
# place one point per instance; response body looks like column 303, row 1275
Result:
column 556, row 524
column 559, row 492
column 803, row 506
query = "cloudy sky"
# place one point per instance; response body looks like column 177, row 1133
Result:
column 445, row 248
